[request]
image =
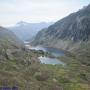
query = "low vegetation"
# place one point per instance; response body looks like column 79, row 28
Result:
column 27, row 73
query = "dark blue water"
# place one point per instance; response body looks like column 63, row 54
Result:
column 54, row 51
column 47, row 60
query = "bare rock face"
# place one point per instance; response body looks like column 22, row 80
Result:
column 69, row 31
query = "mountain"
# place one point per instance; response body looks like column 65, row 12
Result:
column 11, row 47
column 68, row 33
column 20, row 69
column 26, row 31
column 7, row 38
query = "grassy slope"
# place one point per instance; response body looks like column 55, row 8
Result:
column 25, row 72
column 36, row 76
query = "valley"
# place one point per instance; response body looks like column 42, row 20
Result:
column 27, row 31
column 20, row 67
column 47, row 56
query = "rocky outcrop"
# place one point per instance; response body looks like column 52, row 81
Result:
column 68, row 33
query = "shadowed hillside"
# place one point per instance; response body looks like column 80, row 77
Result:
column 67, row 33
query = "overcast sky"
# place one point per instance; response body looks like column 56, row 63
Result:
column 12, row 11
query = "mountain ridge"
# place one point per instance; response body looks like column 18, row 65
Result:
column 26, row 31
column 67, row 32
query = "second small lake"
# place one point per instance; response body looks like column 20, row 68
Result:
column 47, row 60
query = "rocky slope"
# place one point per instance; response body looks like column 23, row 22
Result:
column 21, row 70
column 9, row 43
column 68, row 33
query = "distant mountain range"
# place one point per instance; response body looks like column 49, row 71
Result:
column 68, row 33
column 26, row 31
